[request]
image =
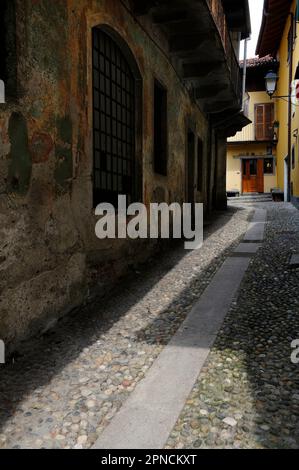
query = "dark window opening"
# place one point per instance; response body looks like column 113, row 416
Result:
column 8, row 59
column 191, row 158
column 269, row 166
column 113, row 121
column 200, row 165
column 160, row 129
column 293, row 158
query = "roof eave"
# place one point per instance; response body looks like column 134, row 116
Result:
column 270, row 45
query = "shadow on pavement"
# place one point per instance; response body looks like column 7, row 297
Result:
column 41, row 359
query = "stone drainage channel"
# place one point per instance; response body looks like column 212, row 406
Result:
column 148, row 416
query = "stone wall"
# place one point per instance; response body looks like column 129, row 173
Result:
column 50, row 258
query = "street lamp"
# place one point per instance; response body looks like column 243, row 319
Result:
column 271, row 83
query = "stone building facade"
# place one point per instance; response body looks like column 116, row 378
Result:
column 168, row 80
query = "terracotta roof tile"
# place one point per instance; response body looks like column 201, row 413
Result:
column 259, row 61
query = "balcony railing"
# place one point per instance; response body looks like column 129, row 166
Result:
column 219, row 17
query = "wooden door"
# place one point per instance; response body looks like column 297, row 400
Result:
column 253, row 176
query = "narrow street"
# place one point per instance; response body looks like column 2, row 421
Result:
column 63, row 390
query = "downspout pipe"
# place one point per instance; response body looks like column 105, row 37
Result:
column 290, row 113
column 244, row 73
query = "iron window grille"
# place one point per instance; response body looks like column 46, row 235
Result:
column 113, row 121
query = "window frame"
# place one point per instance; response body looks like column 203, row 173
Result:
column 200, row 161
column 273, row 166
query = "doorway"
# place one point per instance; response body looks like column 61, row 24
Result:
column 253, row 175
column 191, row 168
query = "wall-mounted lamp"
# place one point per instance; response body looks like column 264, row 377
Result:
column 271, row 82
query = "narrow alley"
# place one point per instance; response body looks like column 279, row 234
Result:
column 64, row 389
column 149, row 231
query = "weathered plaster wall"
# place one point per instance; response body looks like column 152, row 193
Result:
column 50, row 258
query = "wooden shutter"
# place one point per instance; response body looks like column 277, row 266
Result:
column 259, row 122
column 264, row 117
column 269, row 118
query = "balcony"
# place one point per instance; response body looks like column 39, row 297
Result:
column 220, row 20
column 202, row 51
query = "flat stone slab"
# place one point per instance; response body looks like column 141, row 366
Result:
column 260, row 215
column 150, row 413
column 255, row 232
column 247, row 249
column 294, row 261
column 256, row 229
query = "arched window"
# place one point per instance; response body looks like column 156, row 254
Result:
column 116, row 81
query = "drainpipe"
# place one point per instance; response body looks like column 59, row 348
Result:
column 290, row 113
column 244, row 73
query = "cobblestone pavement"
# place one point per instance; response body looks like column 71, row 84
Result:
column 65, row 387
column 247, row 395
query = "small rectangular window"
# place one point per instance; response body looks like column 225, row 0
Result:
column 160, row 129
column 269, row 166
column 8, row 57
column 199, row 165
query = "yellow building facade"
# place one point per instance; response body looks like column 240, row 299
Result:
column 251, row 153
column 279, row 37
